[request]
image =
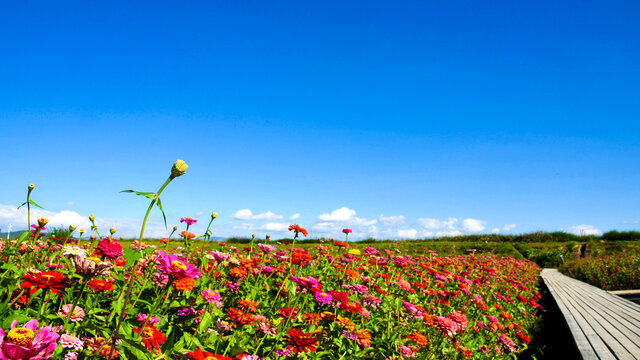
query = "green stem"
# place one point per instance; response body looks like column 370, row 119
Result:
column 73, row 307
column 133, row 272
column 28, row 211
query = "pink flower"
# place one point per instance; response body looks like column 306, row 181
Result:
column 211, row 296
column 25, row 343
column 152, row 320
column 76, row 315
column 176, row 268
column 406, row 352
column 71, row 356
column 288, row 313
column 71, row 342
column 188, row 220
column 446, row 326
column 267, row 248
column 109, row 249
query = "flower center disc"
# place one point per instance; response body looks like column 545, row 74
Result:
column 178, row 265
column 147, row 332
column 20, row 336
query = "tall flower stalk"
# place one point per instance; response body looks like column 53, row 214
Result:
column 178, row 169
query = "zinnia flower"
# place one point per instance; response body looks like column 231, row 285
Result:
column 198, row 354
column 184, row 284
column 51, row 280
column 188, row 220
column 109, row 249
column 71, row 342
column 151, row 337
column 297, row 341
column 76, row 315
column 174, row 267
column 297, row 229
column 347, row 231
column 25, row 343
column 211, row 296
column 100, row 285
column 89, row 267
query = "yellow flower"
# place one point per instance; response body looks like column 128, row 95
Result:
column 354, row 252
column 72, row 228
column 30, row 187
column 92, row 218
column 81, row 231
column 42, row 221
column 112, row 230
column 253, row 235
column 214, row 215
column 178, row 169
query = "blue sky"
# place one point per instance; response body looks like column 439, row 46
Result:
column 397, row 119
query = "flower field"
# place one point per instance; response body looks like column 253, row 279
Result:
column 613, row 272
column 67, row 298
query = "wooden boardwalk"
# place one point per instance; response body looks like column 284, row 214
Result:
column 604, row 326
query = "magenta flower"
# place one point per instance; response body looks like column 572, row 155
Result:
column 25, row 343
column 212, row 296
column 322, row 298
column 347, row 230
column 109, row 249
column 176, row 268
column 305, row 281
column 188, row 220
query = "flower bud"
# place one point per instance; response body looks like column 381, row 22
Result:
column 178, row 169
column 93, row 237
column 175, row 228
column 112, row 230
column 214, row 215
column 81, row 231
column 92, row 218
column 253, row 235
column 72, row 228
column 42, row 221
column 30, row 187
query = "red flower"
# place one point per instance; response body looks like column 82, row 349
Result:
column 100, row 285
column 297, row 341
column 198, row 354
column 298, row 229
column 151, row 337
column 52, row 280
column 347, row 230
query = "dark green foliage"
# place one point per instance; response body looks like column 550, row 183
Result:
column 623, row 235
column 58, row 233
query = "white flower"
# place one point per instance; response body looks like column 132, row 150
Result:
column 74, row 250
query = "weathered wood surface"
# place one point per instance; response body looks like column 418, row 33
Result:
column 604, row 326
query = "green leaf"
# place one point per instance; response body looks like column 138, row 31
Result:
column 23, row 237
column 163, row 215
column 154, row 197
column 34, row 204
column 204, row 324
column 131, row 256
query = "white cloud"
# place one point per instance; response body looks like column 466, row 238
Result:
column 431, row 223
column 509, row 227
column 473, row 225
column 273, row 226
column 342, row 214
column 246, row 214
column 631, row 222
column 495, row 230
column 585, row 230
column 126, row 227
column 392, row 220
column 448, row 233
column 71, row 203
column 407, row 233
column 294, row 217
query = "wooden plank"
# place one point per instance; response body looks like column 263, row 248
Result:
column 598, row 345
column 584, row 347
column 611, row 325
column 615, row 340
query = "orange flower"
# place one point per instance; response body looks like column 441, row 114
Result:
column 165, row 240
column 238, row 272
column 418, row 338
column 311, row 318
column 298, row 229
column 246, row 304
column 185, row 234
column 237, row 316
column 184, row 284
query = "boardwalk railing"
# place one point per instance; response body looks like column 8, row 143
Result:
column 604, row 326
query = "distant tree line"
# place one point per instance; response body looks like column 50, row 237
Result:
column 558, row 236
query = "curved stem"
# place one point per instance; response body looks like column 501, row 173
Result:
column 133, row 272
column 73, row 307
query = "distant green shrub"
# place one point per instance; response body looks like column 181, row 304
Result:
column 624, row 235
